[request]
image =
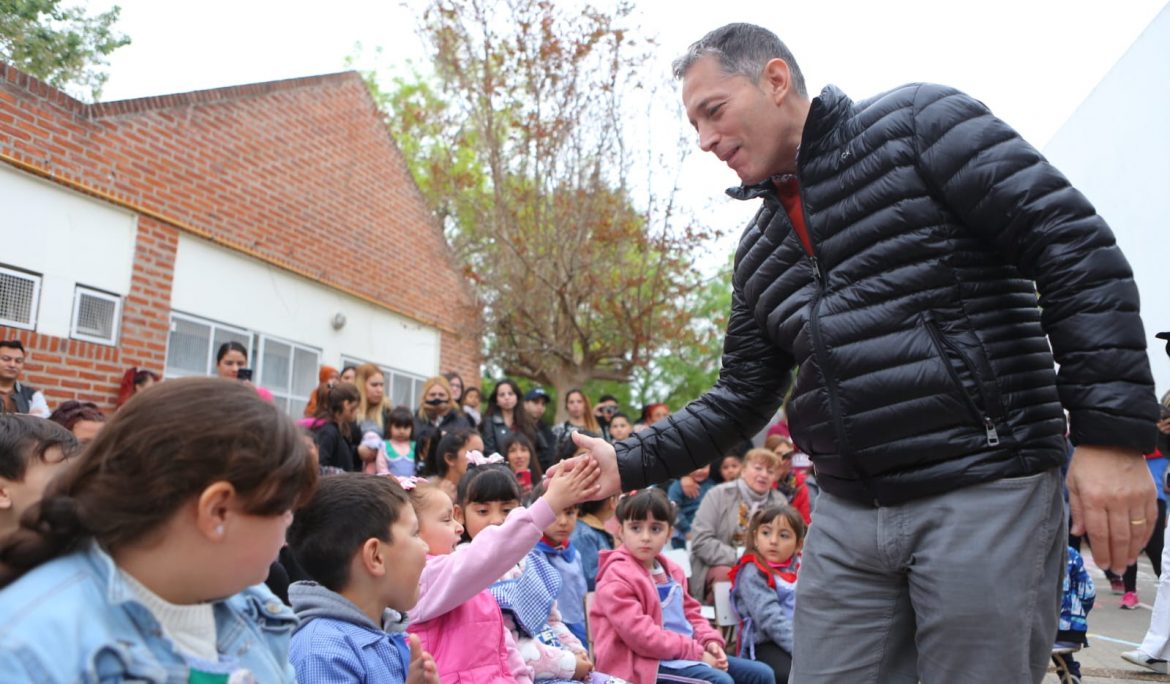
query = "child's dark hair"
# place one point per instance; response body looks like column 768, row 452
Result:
column 153, row 457
column 593, row 507
column 566, row 448
column 717, row 470
column 346, row 511
column 533, row 458
column 769, row 514
column 450, row 444
column 400, row 416
column 335, row 404
column 488, row 483
column 647, row 504
column 24, row 437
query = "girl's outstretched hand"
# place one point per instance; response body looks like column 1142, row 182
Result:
column 573, row 483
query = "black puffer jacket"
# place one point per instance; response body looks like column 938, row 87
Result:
column 920, row 349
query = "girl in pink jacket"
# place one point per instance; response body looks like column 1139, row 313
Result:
column 456, row 618
column 646, row 627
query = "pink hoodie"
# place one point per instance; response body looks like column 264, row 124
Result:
column 628, row 637
column 457, row 619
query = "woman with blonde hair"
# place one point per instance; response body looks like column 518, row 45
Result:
column 437, row 415
column 373, row 405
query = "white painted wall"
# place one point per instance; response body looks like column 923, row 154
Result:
column 1116, row 149
column 225, row 286
column 66, row 237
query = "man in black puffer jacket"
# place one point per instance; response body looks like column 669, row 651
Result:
column 913, row 260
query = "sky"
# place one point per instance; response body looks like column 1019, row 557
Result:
column 1031, row 61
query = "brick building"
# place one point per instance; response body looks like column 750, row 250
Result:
column 146, row 232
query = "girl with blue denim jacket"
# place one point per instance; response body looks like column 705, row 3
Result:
column 145, row 559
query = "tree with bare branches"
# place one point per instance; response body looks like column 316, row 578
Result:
column 518, row 142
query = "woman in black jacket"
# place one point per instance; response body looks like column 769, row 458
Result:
column 504, row 417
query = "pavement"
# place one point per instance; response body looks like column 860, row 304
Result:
column 1113, row 631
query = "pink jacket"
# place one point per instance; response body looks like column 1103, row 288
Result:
column 626, row 616
column 457, row 619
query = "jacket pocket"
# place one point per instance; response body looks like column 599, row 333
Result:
column 955, row 362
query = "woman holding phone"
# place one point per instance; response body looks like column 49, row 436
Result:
column 231, row 362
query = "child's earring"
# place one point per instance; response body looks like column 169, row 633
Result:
column 219, row 530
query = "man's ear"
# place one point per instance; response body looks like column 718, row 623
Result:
column 776, row 79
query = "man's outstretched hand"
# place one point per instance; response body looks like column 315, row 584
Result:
column 1112, row 499
column 602, row 452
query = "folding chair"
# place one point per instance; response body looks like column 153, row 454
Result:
column 725, row 618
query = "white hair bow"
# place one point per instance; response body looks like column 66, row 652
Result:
column 408, row 483
column 476, row 458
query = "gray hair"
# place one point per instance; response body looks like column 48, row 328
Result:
column 742, row 49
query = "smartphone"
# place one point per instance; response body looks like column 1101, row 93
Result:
column 244, row 374
column 525, row 477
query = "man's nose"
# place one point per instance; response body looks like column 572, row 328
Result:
column 707, row 137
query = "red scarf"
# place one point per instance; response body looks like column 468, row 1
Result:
column 769, row 571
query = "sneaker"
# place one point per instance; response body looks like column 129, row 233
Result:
column 1129, row 601
column 1139, row 658
column 1116, row 585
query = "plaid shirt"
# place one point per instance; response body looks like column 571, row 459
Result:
column 329, row 651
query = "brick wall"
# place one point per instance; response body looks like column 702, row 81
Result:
column 72, row 369
column 299, row 173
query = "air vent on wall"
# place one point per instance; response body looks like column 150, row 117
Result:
column 20, row 293
column 95, row 316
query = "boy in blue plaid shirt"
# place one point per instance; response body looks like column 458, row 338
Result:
column 358, row 538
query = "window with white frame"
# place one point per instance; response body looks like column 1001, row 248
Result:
column 289, row 371
column 405, row 388
column 193, row 342
column 20, row 295
column 96, row 315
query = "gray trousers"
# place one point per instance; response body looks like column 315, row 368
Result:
column 960, row 587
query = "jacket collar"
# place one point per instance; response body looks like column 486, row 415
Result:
column 311, row 601
column 825, row 115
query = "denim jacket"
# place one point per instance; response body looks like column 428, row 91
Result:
column 75, row 619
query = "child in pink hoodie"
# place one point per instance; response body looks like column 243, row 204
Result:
column 646, row 627
column 456, row 618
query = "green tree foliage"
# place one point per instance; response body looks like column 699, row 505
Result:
column 518, row 143
column 63, row 46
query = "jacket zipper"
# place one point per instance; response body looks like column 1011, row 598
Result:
column 814, row 325
column 976, row 407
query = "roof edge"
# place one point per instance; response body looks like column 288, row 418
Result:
column 214, row 95
column 38, row 88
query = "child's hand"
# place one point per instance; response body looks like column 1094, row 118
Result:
column 422, row 668
column 713, row 661
column 584, row 667
column 716, row 651
column 570, row 487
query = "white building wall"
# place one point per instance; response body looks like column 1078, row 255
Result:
column 228, row 287
column 67, row 238
column 1116, row 149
